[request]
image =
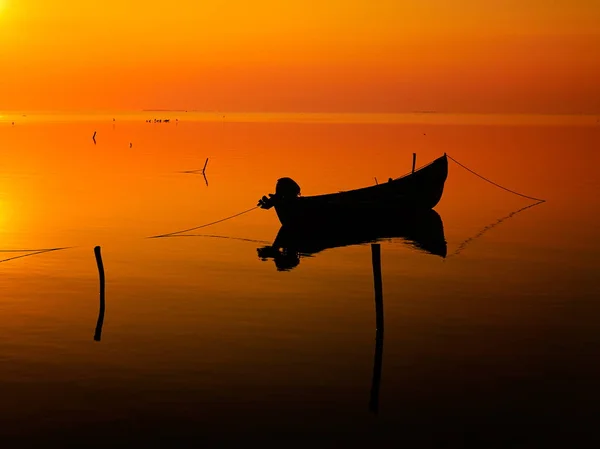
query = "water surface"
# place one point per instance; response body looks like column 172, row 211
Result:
column 203, row 341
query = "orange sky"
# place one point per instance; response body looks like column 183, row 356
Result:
column 267, row 55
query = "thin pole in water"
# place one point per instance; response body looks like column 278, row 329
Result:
column 414, row 161
column 378, row 284
column 205, row 164
column 100, row 322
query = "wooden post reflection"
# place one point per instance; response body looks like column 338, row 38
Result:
column 377, row 361
column 98, row 333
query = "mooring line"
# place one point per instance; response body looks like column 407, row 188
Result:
column 204, row 225
column 31, row 252
column 214, row 236
column 24, row 250
column 492, row 182
column 466, row 242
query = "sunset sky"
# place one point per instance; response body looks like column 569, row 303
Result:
column 301, row 55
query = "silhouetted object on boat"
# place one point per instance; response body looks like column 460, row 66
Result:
column 100, row 322
column 378, row 357
column 416, row 191
column 166, row 120
column 94, row 137
column 422, row 230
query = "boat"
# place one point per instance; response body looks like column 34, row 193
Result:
column 421, row 230
column 417, row 191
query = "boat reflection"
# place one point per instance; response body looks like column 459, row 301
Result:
column 423, row 231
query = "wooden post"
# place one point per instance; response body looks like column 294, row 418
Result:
column 378, row 359
column 378, row 284
column 414, row 161
column 100, row 322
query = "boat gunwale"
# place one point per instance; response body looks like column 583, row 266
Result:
column 385, row 184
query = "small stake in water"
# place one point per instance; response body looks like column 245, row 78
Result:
column 94, row 137
column 377, row 284
column 414, row 161
column 205, row 164
column 376, row 181
column 100, row 322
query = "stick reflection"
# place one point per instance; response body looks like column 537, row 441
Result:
column 378, row 359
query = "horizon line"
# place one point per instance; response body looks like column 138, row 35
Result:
column 213, row 111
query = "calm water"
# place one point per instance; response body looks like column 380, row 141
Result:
column 204, row 342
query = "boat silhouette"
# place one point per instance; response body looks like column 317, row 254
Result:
column 424, row 231
column 417, row 191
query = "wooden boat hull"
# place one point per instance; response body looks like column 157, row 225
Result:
column 421, row 190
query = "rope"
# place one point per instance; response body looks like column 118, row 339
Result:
column 204, row 225
column 492, row 182
column 213, row 236
column 31, row 252
column 466, row 242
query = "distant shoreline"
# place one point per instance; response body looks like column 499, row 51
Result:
column 416, row 117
